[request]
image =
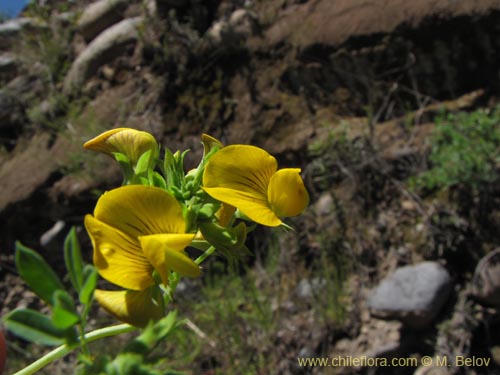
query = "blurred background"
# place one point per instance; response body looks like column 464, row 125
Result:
column 389, row 107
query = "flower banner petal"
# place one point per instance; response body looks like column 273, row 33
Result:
column 255, row 207
column 140, row 210
column 130, row 142
column 242, row 168
column 165, row 252
column 287, row 194
column 132, row 307
column 118, row 257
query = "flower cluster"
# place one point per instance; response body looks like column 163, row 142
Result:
column 140, row 231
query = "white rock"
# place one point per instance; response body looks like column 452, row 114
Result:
column 102, row 50
column 100, row 15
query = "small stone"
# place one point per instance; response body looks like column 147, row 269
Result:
column 308, row 289
column 412, row 294
column 324, row 205
column 486, row 280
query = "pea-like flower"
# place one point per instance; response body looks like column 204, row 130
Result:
column 248, row 178
column 138, row 236
column 130, row 142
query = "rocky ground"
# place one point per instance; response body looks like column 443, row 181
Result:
column 348, row 90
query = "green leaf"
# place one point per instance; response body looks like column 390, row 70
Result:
column 143, row 164
column 159, row 181
column 229, row 241
column 73, row 259
column 89, row 284
column 39, row 276
column 153, row 334
column 64, row 314
column 34, row 326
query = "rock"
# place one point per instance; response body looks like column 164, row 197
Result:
column 307, row 290
column 9, row 67
column 230, row 32
column 324, row 205
column 103, row 49
column 30, row 165
column 11, row 29
column 413, row 294
column 100, row 15
column 13, row 100
column 486, row 280
column 311, row 23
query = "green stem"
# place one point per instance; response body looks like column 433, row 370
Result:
column 62, row 350
column 205, row 255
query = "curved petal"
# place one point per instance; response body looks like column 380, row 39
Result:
column 166, row 252
column 225, row 214
column 130, row 142
column 118, row 257
column 242, row 168
column 287, row 194
column 140, row 210
column 132, row 307
column 255, row 207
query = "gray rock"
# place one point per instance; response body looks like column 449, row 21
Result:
column 324, row 205
column 11, row 29
column 308, row 289
column 230, row 32
column 486, row 280
column 413, row 294
column 9, row 66
column 106, row 47
column 100, row 15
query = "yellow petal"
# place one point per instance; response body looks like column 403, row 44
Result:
column 140, row 210
column 225, row 214
column 255, row 207
column 166, row 253
column 130, row 142
column 287, row 194
column 241, row 168
column 132, row 307
column 118, row 257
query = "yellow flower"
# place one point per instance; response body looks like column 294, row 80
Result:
column 248, row 178
column 138, row 231
column 130, row 142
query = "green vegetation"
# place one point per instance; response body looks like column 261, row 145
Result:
column 465, row 151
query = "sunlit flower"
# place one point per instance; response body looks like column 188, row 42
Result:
column 130, row 142
column 248, row 178
column 138, row 232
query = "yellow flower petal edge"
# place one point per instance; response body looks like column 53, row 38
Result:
column 118, row 257
column 241, row 167
column 139, row 210
column 132, row 307
column 286, row 193
column 255, row 208
column 130, row 142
